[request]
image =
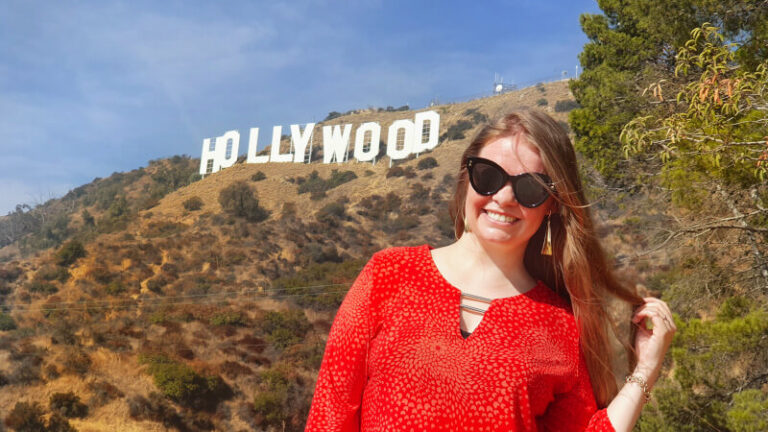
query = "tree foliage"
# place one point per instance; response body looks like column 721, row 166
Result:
column 634, row 43
column 719, row 120
column 677, row 107
column 713, row 136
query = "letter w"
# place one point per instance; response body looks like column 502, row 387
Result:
column 335, row 143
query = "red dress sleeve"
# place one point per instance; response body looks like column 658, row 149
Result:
column 343, row 371
column 576, row 410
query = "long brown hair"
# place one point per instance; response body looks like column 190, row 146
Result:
column 577, row 269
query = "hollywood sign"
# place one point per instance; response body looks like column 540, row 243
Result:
column 404, row 138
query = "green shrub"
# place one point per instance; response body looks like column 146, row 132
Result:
column 63, row 333
column 398, row 171
column 426, row 163
column 50, row 273
column 115, row 288
column 228, row 318
column 749, row 412
column 395, row 171
column 70, row 252
column 542, row 102
column 103, row 392
column 378, row 208
column 259, row 176
column 164, row 229
column 58, row 423
column 269, row 404
column 68, row 405
column 101, row 274
column 154, row 409
column 319, row 286
column 476, row 115
column 193, row 203
column 76, row 361
column 171, row 174
column 6, row 322
column 733, row 307
column 88, row 219
column 41, row 287
column 704, row 354
column 401, row 223
column 566, row 105
column 317, row 186
column 319, row 253
column 157, row 283
column 280, row 400
column 282, row 329
column 10, row 273
column 331, row 214
column 183, row 384
column 456, row 130
column 332, row 115
column 419, row 193
column 26, row 417
column 239, row 200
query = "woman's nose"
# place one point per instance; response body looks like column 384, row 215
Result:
column 505, row 195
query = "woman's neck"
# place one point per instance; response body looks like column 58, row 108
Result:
column 493, row 268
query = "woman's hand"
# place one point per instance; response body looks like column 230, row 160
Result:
column 652, row 344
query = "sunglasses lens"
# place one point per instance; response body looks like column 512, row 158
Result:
column 486, row 179
column 529, row 192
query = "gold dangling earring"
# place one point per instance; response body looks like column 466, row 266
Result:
column 466, row 226
column 546, row 248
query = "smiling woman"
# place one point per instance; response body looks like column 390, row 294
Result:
column 505, row 329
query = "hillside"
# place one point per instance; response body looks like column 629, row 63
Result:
column 149, row 304
column 164, row 296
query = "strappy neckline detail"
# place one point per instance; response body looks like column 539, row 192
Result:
column 527, row 294
column 456, row 293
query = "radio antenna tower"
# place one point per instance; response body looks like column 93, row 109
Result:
column 499, row 86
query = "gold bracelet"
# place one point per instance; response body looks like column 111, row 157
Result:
column 638, row 379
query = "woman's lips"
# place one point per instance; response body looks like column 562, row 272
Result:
column 500, row 217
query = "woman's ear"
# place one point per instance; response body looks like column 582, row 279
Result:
column 554, row 206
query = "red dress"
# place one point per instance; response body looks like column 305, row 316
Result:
column 396, row 361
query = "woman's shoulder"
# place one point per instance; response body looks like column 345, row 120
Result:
column 389, row 270
column 553, row 309
column 399, row 258
column 397, row 253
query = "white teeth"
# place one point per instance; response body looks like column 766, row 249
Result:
column 500, row 217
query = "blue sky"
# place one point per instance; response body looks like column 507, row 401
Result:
column 90, row 88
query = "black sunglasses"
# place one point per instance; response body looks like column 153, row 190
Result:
column 487, row 178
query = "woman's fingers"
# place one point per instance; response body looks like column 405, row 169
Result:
column 660, row 303
column 658, row 312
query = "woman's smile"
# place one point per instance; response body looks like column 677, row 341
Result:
column 500, row 217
